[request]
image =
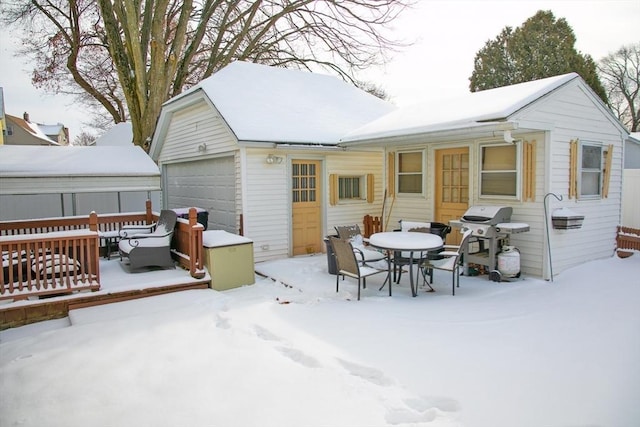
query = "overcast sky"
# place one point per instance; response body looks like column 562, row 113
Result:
column 446, row 35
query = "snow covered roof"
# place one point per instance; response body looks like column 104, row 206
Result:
column 490, row 105
column 51, row 129
column 119, row 135
column 271, row 104
column 71, row 169
column 31, row 128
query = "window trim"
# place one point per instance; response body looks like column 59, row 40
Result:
column 517, row 171
column 422, row 173
column 581, row 170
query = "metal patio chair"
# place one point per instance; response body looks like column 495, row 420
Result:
column 150, row 249
column 348, row 264
column 450, row 259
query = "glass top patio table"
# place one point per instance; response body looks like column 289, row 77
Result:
column 405, row 241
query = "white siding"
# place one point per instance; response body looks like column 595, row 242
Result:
column 355, row 164
column 569, row 113
column 192, row 126
column 267, row 212
column 574, row 114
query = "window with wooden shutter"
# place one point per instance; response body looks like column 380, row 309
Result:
column 333, row 189
column 607, row 170
column 370, row 188
column 573, row 169
column 587, row 170
column 529, row 171
column 391, row 174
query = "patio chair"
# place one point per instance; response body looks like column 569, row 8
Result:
column 352, row 234
column 400, row 259
column 150, row 249
column 450, row 260
column 348, row 264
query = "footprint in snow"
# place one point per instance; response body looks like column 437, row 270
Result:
column 366, row 373
column 299, row 357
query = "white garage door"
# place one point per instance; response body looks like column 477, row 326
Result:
column 208, row 184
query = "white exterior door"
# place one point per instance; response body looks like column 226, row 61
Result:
column 207, row 184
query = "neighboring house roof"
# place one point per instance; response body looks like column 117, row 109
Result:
column 32, row 128
column 474, row 109
column 51, row 129
column 72, row 169
column 279, row 105
column 120, row 134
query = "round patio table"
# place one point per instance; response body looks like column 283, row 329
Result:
column 405, row 241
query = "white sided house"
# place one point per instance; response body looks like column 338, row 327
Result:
column 524, row 146
column 257, row 147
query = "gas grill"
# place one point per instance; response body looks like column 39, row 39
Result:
column 490, row 226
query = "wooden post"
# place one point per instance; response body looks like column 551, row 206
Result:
column 149, row 212
column 193, row 216
column 93, row 221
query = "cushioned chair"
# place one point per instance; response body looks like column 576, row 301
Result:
column 348, row 264
column 149, row 249
column 450, row 260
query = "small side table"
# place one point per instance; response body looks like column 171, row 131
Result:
column 109, row 239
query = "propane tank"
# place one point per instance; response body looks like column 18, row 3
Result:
column 509, row 261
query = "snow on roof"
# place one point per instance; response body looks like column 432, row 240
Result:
column 43, row 161
column 272, row 104
column 459, row 112
column 32, row 128
column 119, row 135
column 51, row 129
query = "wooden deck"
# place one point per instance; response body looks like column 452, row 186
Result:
column 117, row 284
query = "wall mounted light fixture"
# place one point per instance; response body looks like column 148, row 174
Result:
column 273, row 160
column 202, row 147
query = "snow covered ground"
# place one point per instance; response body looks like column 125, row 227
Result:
column 293, row 352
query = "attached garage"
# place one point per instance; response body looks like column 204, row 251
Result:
column 208, row 184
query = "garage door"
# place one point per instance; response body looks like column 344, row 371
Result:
column 208, row 184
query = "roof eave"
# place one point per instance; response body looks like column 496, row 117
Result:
column 470, row 130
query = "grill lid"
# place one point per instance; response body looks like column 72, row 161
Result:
column 490, row 215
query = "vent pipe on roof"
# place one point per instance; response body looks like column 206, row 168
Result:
column 25, row 116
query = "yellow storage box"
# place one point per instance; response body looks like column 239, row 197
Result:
column 229, row 259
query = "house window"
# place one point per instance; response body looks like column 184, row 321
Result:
column 590, row 161
column 350, row 188
column 499, row 170
column 410, row 172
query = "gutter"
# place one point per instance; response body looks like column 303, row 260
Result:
column 475, row 130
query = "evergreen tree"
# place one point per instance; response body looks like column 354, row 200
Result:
column 541, row 47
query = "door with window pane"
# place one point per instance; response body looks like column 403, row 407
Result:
column 452, row 187
column 306, row 195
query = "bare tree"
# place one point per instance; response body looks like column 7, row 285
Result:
column 129, row 56
column 84, row 138
column 620, row 74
